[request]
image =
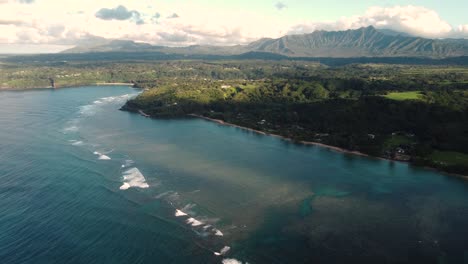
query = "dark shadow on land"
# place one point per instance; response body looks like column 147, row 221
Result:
column 60, row 58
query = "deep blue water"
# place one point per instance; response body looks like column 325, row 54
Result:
column 81, row 182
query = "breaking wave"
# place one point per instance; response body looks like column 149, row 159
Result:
column 133, row 178
column 102, row 156
column 206, row 228
column 218, row 232
column 223, row 251
column 231, row 261
column 91, row 109
column 179, row 213
column 194, row 222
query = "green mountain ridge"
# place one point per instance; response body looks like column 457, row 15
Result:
column 362, row 42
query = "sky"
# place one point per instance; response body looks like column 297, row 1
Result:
column 43, row 26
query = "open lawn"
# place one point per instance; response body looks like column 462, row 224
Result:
column 396, row 141
column 400, row 96
column 450, row 158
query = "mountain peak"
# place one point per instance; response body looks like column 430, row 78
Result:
column 361, row 42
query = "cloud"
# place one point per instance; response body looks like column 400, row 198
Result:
column 280, row 6
column 78, row 22
column 11, row 22
column 463, row 29
column 415, row 20
column 174, row 15
column 119, row 13
column 174, row 37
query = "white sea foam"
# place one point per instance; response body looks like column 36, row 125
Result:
column 115, row 98
column 179, row 213
column 87, row 110
column 194, row 222
column 231, row 261
column 133, row 178
column 91, row 109
column 125, row 186
column 223, row 251
column 206, row 227
column 104, row 157
column 218, row 232
column 101, row 156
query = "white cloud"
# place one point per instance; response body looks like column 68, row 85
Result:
column 463, row 29
column 42, row 22
column 415, row 20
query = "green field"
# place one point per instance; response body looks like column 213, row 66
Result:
column 450, row 158
column 400, row 96
column 396, row 141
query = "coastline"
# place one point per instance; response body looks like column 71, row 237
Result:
column 65, row 86
column 334, row 148
column 330, row 147
column 115, row 83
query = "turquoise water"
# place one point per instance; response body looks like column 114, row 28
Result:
column 81, row 182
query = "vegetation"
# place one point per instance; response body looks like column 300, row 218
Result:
column 450, row 157
column 413, row 113
column 349, row 107
column 413, row 95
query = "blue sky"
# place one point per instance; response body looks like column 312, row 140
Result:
column 53, row 24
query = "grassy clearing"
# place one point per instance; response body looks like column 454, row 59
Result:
column 396, row 141
column 400, row 96
column 450, row 158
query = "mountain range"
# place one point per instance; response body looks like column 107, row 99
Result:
column 362, row 42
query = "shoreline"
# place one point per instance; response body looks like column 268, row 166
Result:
column 9, row 89
column 337, row 149
column 116, row 83
column 330, row 147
